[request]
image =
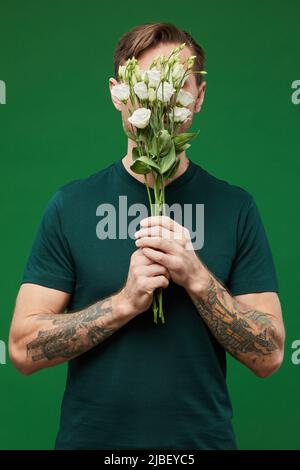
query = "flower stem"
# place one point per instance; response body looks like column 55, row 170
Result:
column 160, row 305
column 159, row 206
column 149, row 194
column 154, row 308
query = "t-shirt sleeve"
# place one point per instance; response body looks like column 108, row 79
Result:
column 253, row 268
column 50, row 262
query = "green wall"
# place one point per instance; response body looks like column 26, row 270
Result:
column 58, row 124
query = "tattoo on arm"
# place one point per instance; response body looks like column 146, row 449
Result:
column 239, row 329
column 71, row 334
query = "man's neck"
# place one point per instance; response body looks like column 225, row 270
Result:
column 127, row 161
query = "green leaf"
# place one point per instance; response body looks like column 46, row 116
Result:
column 170, row 173
column 181, row 139
column 164, row 142
column 168, row 160
column 181, row 149
column 148, row 161
column 153, row 146
column 135, row 153
column 144, row 134
column 161, row 143
column 140, row 167
column 144, row 165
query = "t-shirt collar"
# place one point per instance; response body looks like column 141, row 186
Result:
column 174, row 184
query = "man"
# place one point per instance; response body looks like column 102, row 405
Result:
column 131, row 383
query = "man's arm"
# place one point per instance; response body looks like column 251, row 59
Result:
column 42, row 335
column 249, row 327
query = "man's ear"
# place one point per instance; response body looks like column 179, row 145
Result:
column 200, row 98
column 117, row 103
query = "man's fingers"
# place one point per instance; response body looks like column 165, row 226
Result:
column 159, row 243
column 138, row 258
column 159, row 231
column 157, row 281
column 161, row 258
column 162, row 220
column 156, row 269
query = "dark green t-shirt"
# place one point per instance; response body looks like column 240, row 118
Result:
column 147, row 386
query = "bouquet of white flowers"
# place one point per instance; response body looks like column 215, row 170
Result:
column 157, row 110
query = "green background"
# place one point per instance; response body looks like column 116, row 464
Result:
column 59, row 124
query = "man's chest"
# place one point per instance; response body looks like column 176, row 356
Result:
column 102, row 240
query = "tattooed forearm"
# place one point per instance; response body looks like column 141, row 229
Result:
column 69, row 335
column 246, row 334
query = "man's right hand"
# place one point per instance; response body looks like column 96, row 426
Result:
column 144, row 277
column 42, row 335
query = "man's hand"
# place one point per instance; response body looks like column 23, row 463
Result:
column 168, row 243
column 144, row 276
column 249, row 327
column 42, row 335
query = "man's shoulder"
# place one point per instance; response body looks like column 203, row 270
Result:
column 223, row 190
column 87, row 183
column 77, row 191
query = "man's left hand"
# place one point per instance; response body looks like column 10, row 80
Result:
column 166, row 242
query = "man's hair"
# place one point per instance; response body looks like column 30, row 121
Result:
column 148, row 35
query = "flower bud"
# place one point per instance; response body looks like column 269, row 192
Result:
column 165, row 73
column 133, row 79
column 146, row 78
column 190, row 62
column 151, row 95
column 121, row 72
column 137, row 73
column 163, row 59
column 153, row 63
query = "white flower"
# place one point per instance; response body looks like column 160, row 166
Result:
column 180, row 114
column 140, row 118
column 141, row 90
column 165, row 91
column 121, row 91
column 184, row 98
column 153, row 76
